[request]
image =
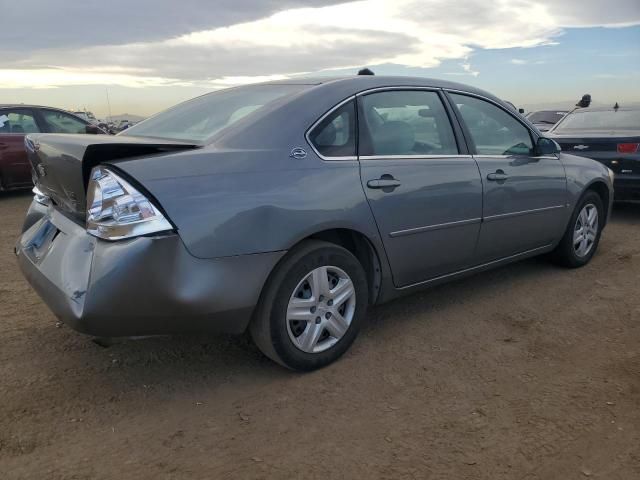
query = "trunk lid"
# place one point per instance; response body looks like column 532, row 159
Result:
column 604, row 149
column 61, row 164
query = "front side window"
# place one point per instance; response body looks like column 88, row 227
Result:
column 335, row 135
column 405, row 123
column 17, row 121
column 494, row 131
column 59, row 122
column 199, row 119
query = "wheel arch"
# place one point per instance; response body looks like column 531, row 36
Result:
column 356, row 242
column 362, row 248
column 600, row 187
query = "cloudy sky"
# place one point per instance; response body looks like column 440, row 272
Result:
column 150, row 54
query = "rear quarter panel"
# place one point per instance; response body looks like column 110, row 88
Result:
column 237, row 202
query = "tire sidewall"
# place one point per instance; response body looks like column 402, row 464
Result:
column 290, row 355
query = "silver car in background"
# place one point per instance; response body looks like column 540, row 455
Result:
column 288, row 208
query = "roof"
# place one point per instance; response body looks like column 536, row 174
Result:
column 26, row 105
column 374, row 81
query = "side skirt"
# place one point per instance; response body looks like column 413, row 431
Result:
column 394, row 292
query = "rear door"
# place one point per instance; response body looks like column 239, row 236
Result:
column 15, row 171
column 423, row 187
column 525, row 196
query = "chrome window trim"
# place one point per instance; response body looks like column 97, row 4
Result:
column 550, row 157
column 500, row 216
column 317, row 122
column 439, row 226
column 413, row 157
column 398, row 87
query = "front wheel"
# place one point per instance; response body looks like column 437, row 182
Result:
column 312, row 306
column 580, row 241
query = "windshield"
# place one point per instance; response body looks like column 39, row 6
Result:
column 200, row 118
column 550, row 117
column 601, row 120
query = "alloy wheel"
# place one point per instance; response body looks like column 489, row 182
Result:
column 586, row 230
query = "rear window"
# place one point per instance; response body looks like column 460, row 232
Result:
column 199, row 119
column 600, row 120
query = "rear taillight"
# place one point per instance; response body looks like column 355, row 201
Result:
column 117, row 210
column 628, row 147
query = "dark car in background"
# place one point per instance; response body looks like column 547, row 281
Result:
column 18, row 120
column 544, row 120
column 609, row 135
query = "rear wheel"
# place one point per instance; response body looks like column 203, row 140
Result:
column 312, row 306
column 581, row 239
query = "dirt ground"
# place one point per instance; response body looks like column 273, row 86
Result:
column 527, row 372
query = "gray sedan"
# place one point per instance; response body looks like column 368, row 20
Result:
column 288, row 208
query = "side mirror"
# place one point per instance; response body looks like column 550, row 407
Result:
column 547, row 146
column 521, row 110
column 93, row 129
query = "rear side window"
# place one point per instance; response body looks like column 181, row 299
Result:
column 335, row 135
column 494, row 131
column 405, row 123
column 17, row 121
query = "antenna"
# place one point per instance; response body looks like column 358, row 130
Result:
column 366, row 71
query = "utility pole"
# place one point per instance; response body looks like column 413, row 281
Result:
column 108, row 102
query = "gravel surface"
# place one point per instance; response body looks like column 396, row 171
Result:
column 527, row 372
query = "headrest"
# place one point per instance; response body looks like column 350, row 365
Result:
column 394, row 138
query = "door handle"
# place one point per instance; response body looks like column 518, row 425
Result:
column 498, row 176
column 384, row 182
column 3, row 146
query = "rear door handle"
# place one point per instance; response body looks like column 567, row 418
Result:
column 4, row 146
column 498, row 176
column 383, row 183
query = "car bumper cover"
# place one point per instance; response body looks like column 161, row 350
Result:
column 141, row 286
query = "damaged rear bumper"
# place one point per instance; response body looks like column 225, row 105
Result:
column 141, row 286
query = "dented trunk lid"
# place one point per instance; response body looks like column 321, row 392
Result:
column 61, row 164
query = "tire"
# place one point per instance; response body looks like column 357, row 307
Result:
column 323, row 331
column 572, row 254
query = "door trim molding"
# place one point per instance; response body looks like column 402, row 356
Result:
column 439, row 226
column 501, row 216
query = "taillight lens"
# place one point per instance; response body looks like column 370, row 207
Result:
column 116, row 210
column 628, row 147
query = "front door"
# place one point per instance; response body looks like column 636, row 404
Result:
column 15, row 170
column 425, row 192
column 525, row 196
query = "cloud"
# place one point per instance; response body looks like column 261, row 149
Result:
column 157, row 43
column 518, row 61
column 56, row 24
